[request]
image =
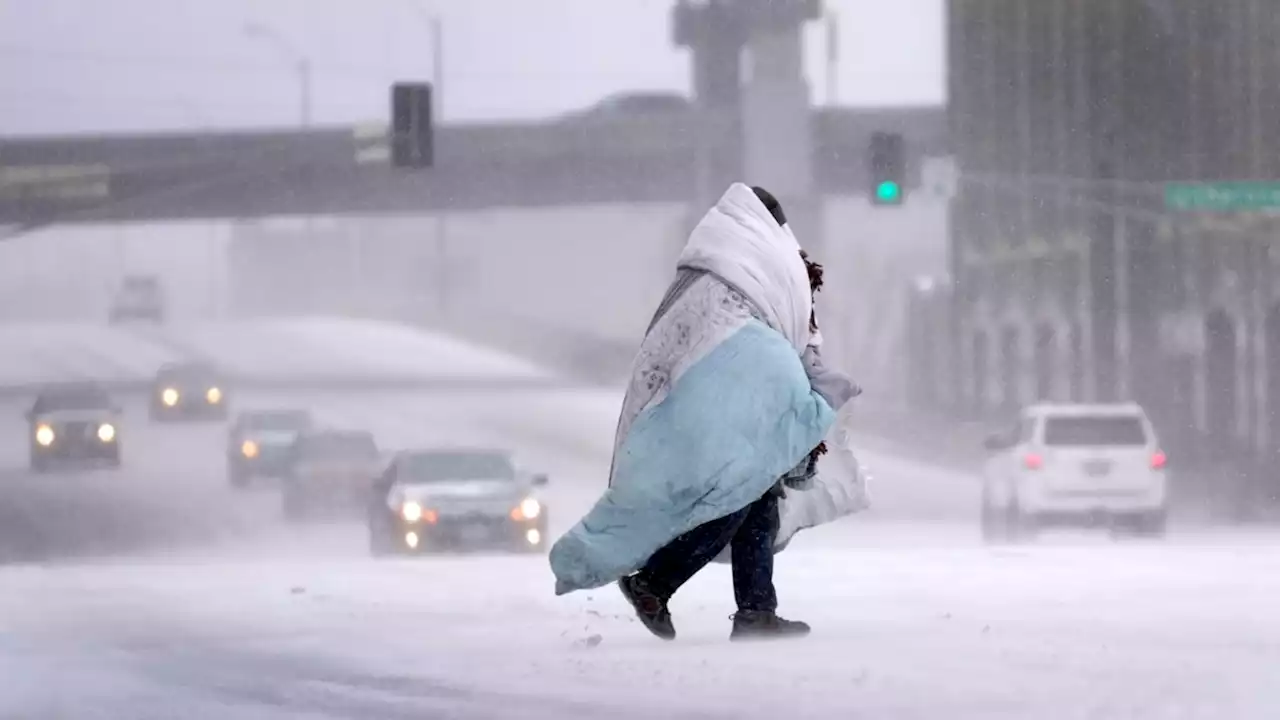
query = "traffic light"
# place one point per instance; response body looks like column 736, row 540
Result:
column 412, row 145
column 887, row 168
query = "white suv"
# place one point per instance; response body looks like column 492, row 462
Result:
column 1080, row 465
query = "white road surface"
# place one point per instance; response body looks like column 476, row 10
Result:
column 214, row 608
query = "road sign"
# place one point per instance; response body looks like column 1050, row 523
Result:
column 373, row 143
column 1223, row 196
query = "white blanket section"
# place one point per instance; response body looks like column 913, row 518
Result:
column 740, row 242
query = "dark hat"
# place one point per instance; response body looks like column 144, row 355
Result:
column 771, row 202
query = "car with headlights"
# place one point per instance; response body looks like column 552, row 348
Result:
column 1075, row 465
column 260, row 444
column 73, row 425
column 455, row 499
column 139, row 297
column 189, row 391
column 329, row 474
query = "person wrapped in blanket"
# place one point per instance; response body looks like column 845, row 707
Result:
column 721, row 429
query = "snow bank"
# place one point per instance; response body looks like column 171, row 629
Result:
column 33, row 353
column 331, row 348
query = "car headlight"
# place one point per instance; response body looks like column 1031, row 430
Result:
column 529, row 509
column 411, row 512
column 106, row 432
column 45, row 435
column 213, row 395
column 249, row 449
column 169, row 396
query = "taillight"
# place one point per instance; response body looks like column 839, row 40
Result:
column 1159, row 460
column 1032, row 461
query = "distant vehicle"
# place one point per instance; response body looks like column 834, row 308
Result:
column 1075, row 465
column 330, row 472
column 73, row 425
column 455, row 499
column 635, row 105
column 260, row 444
column 189, row 391
column 139, row 297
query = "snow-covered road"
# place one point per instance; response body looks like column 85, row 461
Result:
column 217, row 609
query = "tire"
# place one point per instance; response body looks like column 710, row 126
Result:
column 1151, row 525
column 237, row 479
column 380, row 544
column 292, row 505
column 994, row 529
column 1006, row 525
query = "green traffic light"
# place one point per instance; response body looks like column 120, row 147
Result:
column 888, row 192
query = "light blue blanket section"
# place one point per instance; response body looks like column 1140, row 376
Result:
column 730, row 427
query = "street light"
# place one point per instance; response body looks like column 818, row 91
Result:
column 292, row 55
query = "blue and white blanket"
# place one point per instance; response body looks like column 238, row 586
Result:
column 719, row 405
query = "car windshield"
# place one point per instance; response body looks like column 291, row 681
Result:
column 141, row 285
column 338, row 447
column 447, row 466
column 277, row 421
column 194, row 373
column 1095, row 430
column 72, row 398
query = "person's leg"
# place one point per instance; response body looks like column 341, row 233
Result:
column 671, row 566
column 679, row 560
column 752, row 548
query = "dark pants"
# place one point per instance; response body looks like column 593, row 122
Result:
column 749, row 533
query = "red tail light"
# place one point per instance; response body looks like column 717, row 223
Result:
column 1158, row 461
column 1032, row 461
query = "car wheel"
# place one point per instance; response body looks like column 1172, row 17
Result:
column 994, row 521
column 1022, row 527
column 237, row 479
column 39, row 466
column 292, row 505
column 1006, row 525
column 380, row 544
column 1151, row 525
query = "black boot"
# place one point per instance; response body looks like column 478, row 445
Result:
column 650, row 607
column 765, row 625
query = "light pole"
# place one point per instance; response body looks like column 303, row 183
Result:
column 436, row 28
column 297, row 59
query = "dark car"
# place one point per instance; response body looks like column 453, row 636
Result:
column 456, row 499
column 140, row 297
column 73, row 425
column 329, row 474
column 260, row 444
column 189, row 391
column 636, row 105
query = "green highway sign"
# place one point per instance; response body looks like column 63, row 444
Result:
column 1223, row 196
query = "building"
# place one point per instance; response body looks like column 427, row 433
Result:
column 1071, row 278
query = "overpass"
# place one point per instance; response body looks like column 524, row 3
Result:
column 345, row 170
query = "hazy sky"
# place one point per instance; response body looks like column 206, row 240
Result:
column 86, row 65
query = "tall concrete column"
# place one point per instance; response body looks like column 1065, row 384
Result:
column 777, row 125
